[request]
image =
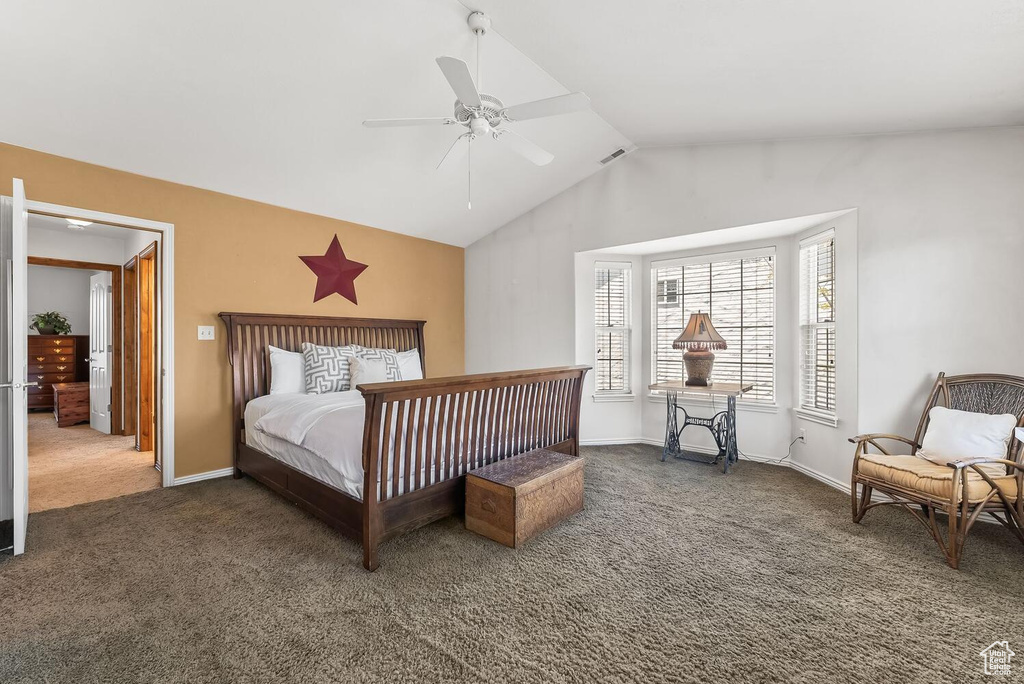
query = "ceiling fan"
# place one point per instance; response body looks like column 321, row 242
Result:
column 484, row 115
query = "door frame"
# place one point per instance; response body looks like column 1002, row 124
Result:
column 165, row 376
column 131, row 348
column 117, row 389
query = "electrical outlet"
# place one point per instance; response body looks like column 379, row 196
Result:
column 803, row 436
column 206, row 332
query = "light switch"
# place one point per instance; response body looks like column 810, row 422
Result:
column 206, row 332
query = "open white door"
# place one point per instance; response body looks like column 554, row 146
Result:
column 100, row 350
column 14, row 380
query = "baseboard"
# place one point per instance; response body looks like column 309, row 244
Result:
column 844, row 487
column 199, row 477
column 757, row 458
column 614, row 441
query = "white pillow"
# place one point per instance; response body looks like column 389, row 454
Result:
column 409, row 364
column 366, row 371
column 954, row 435
column 287, row 375
column 381, row 366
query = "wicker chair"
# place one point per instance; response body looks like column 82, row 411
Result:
column 960, row 489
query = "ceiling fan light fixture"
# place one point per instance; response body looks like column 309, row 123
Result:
column 481, row 114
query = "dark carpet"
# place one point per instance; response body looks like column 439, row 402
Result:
column 673, row 573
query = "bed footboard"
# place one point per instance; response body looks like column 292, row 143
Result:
column 421, row 437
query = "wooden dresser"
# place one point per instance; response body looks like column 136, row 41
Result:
column 53, row 359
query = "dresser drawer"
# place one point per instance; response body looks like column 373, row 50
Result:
column 51, row 378
column 34, row 367
column 53, row 352
column 39, row 341
column 60, row 357
column 37, row 401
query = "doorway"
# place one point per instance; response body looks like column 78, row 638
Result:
column 14, row 381
column 79, row 448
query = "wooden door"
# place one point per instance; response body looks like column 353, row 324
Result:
column 147, row 381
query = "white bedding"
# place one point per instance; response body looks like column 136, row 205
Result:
column 322, row 436
column 277, row 425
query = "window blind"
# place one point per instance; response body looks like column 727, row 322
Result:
column 739, row 293
column 818, row 324
column 612, row 327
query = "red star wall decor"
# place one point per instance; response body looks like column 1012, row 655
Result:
column 334, row 272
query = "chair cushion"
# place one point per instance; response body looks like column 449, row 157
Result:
column 921, row 475
column 954, row 435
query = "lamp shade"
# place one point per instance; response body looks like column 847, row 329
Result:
column 699, row 335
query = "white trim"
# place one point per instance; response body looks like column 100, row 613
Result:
column 817, row 237
column 711, row 257
column 829, row 419
column 166, row 378
column 604, row 397
column 199, row 477
column 621, row 265
column 615, row 441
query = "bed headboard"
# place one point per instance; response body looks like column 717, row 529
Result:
column 249, row 335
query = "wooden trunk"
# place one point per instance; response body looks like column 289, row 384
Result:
column 514, row 500
column 71, row 403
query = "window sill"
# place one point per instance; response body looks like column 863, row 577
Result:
column 611, row 398
column 822, row 418
column 741, row 406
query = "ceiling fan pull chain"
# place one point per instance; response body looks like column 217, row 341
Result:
column 469, row 173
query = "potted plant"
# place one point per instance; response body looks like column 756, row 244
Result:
column 51, row 323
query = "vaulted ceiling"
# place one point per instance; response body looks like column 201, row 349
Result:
column 265, row 100
column 670, row 72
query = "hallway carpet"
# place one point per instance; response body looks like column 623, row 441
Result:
column 674, row 572
column 74, row 465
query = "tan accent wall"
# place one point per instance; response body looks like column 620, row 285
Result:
column 234, row 254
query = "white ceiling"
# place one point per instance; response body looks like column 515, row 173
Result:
column 265, row 100
column 696, row 71
column 60, row 225
column 723, row 236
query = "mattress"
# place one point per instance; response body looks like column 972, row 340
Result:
column 321, row 435
column 345, row 474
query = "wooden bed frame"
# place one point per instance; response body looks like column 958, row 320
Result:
column 469, row 421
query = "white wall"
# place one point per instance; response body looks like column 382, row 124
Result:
column 74, row 245
column 940, row 234
column 60, row 289
column 136, row 241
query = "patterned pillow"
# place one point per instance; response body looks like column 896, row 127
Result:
column 389, row 357
column 326, row 368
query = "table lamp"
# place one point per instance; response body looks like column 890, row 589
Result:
column 698, row 339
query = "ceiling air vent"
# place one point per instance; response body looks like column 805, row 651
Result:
column 621, row 152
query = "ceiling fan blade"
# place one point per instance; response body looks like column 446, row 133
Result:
column 388, row 123
column 461, row 81
column 552, row 106
column 456, row 152
column 517, row 143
